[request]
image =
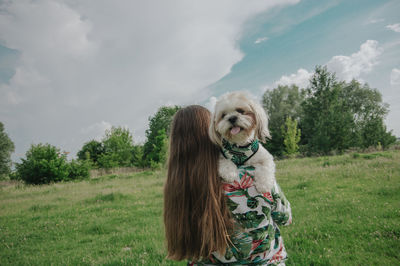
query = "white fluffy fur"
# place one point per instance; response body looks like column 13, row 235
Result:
column 253, row 121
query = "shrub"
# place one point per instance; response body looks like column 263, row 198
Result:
column 78, row 169
column 291, row 135
column 109, row 160
column 45, row 163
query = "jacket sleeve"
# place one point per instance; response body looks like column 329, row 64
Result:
column 281, row 211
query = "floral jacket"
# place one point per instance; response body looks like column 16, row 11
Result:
column 256, row 239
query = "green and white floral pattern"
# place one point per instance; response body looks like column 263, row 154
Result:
column 238, row 154
column 256, row 239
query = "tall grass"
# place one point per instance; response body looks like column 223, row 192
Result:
column 346, row 211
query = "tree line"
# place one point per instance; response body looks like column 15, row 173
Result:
column 328, row 116
column 45, row 163
column 117, row 148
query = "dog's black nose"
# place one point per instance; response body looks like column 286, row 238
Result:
column 232, row 119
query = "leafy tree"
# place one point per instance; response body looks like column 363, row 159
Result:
column 160, row 121
column 44, row 163
column 374, row 133
column 281, row 103
column 137, row 156
column 291, row 136
column 118, row 148
column 91, row 151
column 78, row 169
column 327, row 121
column 158, row 155
column 332, row 114
column 369, row 112
column 6, row 148
column 109, row 160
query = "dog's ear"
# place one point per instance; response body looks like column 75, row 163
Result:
column 262, row 131
column 215, row 137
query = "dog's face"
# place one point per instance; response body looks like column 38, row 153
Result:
column 238, row 119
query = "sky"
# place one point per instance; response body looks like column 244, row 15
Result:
column 69, row 69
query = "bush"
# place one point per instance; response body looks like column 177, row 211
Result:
column 79, row 169
column 291, row 137
column 45, row 163
column 109, row 160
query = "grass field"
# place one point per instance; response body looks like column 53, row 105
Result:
column 346, row 211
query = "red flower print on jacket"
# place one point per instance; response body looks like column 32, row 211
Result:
column 278, row 256
column 268, row 196
column 238, row 189
column 255, row 244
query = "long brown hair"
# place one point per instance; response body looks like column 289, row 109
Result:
column 196, row 217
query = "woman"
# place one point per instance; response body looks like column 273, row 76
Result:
column 204, row 222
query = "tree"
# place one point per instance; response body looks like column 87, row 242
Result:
column 332, row 115
column 118, row 148
column 6, row 148
column 160, row 121
column 327, row 121
column 44, row 163
column 91, row 150
column 374, row 133
column 158, row 155
column 137, row 156
column 369, row 112
column 291, row 136
column 281, row 103
column 78, row 169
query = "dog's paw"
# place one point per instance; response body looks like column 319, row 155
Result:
column 229, row 176
column 264, row 187
column 227, row 170
column 263, row 181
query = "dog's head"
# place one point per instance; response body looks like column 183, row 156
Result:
column 238, row 119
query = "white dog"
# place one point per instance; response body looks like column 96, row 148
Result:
column 237, row 125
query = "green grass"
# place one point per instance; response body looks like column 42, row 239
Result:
column 346, row 211
column 108, row 221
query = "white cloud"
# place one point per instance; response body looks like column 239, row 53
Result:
column 301, row 79
column 394, row 27
column 377, row 20
column 210, row 105
column 395, row 76
column 97, row 130
column 260, row 40
column 361, row 62
column 345, row 67
column 49, row 26
column 84, row 61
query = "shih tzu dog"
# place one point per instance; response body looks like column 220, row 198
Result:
column 237, row 126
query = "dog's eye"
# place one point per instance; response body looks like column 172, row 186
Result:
column 223, row 115
column 239, row 110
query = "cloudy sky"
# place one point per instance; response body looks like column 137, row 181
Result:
column 69, row 69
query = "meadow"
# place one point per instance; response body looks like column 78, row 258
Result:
column 346, row 211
